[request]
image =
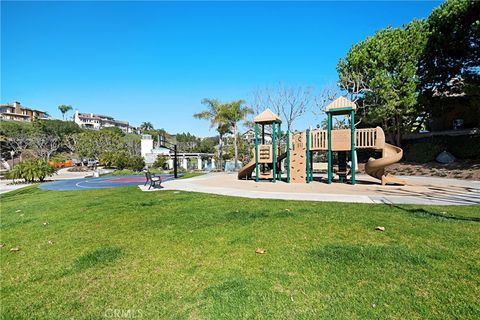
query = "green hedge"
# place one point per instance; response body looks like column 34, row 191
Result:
column 426, row 149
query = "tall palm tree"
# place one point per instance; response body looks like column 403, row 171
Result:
column 234, row 113
column 215, row 113
column 64, row 109
column 146, row 126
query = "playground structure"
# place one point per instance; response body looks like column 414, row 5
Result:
column 297, row 149
column 267, row 158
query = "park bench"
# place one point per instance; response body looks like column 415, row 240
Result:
column 152, row 180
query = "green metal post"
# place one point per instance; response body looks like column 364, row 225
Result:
column 288, row 157
column 311, row 166
column 279, row 144
column 263, row 142
column 329, row 136
column 256, row 152
column 274, row 153
column 352, row 126
column 308, row 155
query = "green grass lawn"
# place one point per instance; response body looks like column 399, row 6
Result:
column 191, row 174
column 192, row 256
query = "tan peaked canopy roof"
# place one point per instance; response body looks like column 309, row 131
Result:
column 340, row 103
column 267, row 116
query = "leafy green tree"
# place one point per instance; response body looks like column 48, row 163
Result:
column 55, row 127
column 234, row 113
column 146, row 126
column 216, row 115
column 114, row 130
column 187, row 142
column 122, row 160
column 207, row 145
column 15, row 136
column 136, row 163
column 50, row 136
column 132, row 143
column 44, row 137
column 161, row 161
column 107, row 158
column 453, row 46
column 64, row 109
column 382, row 71
column 244, row 150
column 450, row 65
column 92, row 144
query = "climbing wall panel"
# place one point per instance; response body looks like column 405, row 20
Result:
column 298, row 158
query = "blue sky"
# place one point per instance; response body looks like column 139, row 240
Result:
column 155, row 61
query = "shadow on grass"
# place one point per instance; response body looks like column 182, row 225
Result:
column 354, row 254
column 227, row 299
column 423, row 212
column 98, row 257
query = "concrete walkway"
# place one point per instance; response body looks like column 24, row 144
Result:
column 7, row 186
column 420, row 190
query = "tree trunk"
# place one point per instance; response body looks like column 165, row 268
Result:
column 398, row 132
column 235, row 146
column 220, row 151
column 398, row 137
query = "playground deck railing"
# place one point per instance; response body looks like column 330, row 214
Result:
column 369, row 138
column 319, row 140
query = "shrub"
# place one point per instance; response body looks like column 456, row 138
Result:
column 161, row 161
column 422, row 151
column 31, row 170
column 136, row 163
column 60, row 157
column 107, row 158
column 426, row 149
column 122, row 160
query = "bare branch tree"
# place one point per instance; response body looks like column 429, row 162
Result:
column 19, row 143
column 326, row 96
column 45, row 145
column 288, row 102
column 258, row 101
column 70, row 141
column 355, row 88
